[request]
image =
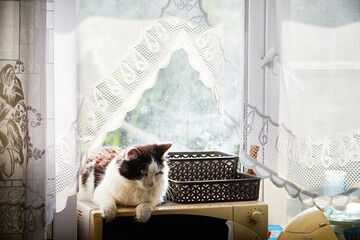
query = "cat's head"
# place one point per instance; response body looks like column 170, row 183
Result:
column 145, row 164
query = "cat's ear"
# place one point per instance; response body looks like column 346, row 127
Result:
column 164, row 147
column 132, row 154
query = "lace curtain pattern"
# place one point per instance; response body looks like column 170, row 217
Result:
column 309, row 127
column 155, row 30
column 25, row 151
column 309, row 133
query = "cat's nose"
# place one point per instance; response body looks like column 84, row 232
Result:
column 151, row 184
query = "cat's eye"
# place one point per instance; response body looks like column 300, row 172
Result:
column 158, row 173
column 143, row 172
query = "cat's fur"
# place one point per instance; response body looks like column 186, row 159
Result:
column 137, row 176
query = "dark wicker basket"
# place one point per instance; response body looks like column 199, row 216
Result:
column 193, row 166
column 197, row 177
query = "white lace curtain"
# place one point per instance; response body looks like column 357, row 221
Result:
column 123, row 46
column 308, row 132
column 26, row 120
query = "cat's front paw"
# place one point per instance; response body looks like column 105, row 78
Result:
column 143, row 212
column 108, row 212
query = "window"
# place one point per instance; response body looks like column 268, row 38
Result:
column 180, row 109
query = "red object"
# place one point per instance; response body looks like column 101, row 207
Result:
column 253, row 153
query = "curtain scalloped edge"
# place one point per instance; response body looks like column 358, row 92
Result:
column 323, row 203
column 117, row 118
column 346, row 155
column 183, row 42
column 349, row 134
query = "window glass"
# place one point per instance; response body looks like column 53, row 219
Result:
column 178, row 109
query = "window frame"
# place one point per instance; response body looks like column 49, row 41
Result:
column 256, row 88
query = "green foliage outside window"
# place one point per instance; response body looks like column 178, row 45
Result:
column 178, row 109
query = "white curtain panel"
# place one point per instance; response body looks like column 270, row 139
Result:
column 26, row 120
column 309, row 134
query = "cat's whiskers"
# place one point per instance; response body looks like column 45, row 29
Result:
column 170, row 194
column 130, row 177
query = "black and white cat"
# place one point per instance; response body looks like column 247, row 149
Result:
column 137, row 176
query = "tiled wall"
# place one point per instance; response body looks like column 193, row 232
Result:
column 50, row 55
column 10, row 32
column 50, row 85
